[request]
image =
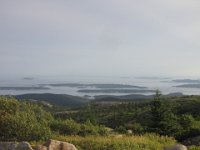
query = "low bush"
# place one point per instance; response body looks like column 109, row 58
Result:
column 70, row 127
column 21, row 121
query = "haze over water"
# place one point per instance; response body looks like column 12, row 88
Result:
column 152, row 83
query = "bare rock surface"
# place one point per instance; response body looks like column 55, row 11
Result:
column 15, row 146
column 176, row 147
column 56, row 145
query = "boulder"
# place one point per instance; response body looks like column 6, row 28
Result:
column 129, row 131
column 109, row 129
column 56, row 145
column 176, row 147
column 15, row 146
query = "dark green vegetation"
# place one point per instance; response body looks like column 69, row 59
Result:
column 70, row 127
column 131, row 97
column 178, row 117
column 70, row 101
column 100, row 121
column 25, row 121
column 55, row 99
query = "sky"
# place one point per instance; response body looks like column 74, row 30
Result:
column 100, row 38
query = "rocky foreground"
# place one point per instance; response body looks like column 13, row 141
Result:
column 49, row 145
column 58, row 145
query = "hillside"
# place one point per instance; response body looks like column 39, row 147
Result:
column 172, row 116
column 55, row 99
column 87, row 128
column 131, row 97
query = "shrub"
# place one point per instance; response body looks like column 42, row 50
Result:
column 22, row 121
column 70, row 127
column 190, row 127
column 121, row 129
column 137, row 128
column 66, row 127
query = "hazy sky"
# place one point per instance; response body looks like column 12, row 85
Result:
column 100, row 37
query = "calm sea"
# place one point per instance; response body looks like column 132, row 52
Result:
column 163, row 84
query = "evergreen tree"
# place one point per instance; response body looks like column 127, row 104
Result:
column 164, row 121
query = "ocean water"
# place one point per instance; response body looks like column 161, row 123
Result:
column 163, row 84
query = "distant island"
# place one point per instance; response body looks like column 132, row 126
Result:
column 189, row 86
column 76, row 101
column 186, row 81
column 132, row 97
column 102, row 86
column 151, row 78
column 28, row 78
column 117, row 91
column 24, row 88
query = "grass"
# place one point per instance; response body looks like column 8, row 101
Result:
column 145, row 142
column 118, row 142
column 194, row 148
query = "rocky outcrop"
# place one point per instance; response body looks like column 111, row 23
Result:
column 49, row 145
column 56, row 145
column 15, row 146
column 176, row 147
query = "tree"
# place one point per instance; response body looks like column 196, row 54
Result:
column 164, row 121
column 156, row 112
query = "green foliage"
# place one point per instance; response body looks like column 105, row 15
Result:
column 164, row 121
column 191, row 127
column 23, row 121
column 66, row 127
column 137, row 128
column 186, row 121
column 175, row 116
column 194, row 148
column 121, row 129
column 70, row 127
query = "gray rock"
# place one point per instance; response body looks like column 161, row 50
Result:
column 176, row 147
column 15, row 146
column 56, row 145
column 129, row 131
